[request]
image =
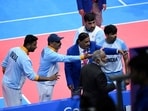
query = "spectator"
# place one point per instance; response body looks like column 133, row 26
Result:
column 95, row 6
column 139, row 76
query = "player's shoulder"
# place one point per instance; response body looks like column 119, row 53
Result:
column 72, row 48
column 15, row 48
column 101, row 42
column 98, row 28
column 119, row 40
column 81, row 29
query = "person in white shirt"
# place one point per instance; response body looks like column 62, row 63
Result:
column 16, row 67
column 95, row 33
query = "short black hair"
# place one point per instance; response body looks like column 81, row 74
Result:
column 89, row 16
column 82, row 36
column 110, row 29
column 29, row 39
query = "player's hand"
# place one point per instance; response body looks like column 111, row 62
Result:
column 71, row 87
column 54, row 77
column 81, row 12
column 127, row 82
column 104, row 7
column 3, row 69
column 122, row 52
column 86, row 56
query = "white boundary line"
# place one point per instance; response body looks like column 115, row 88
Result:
column 26, row 99
column 39, row 17
column 12, row 38
column 130, row 5
column 132, row 22
column 62, row 14
column 22, row 97
column 122, row 2
column 1, row 97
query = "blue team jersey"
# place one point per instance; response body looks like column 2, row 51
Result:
column 18, row 66
column 49, row 63
column 114, row 62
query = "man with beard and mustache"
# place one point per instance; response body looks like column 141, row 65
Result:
column 72, row 69
column 114, row 65
column 94, row 85
column 95, row 33
column 16, row 67
column 49, row 65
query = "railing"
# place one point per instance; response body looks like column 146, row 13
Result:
column 68, row 104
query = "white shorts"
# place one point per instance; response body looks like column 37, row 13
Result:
column 45, row 92
column 12, row 97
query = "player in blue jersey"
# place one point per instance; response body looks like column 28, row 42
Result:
column 16, row 67
column 49, row 65
column 114, row 63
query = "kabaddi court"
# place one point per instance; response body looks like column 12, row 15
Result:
column 19, row 18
